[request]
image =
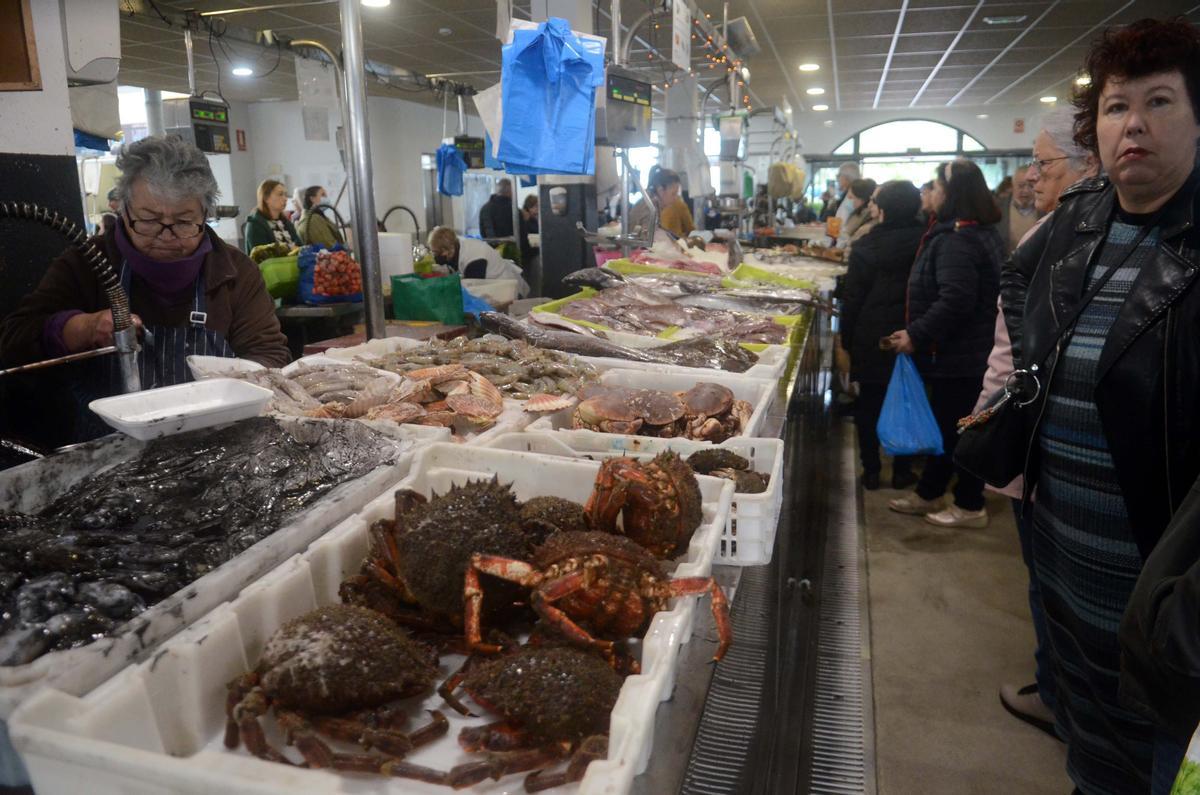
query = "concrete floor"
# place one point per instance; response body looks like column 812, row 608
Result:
column 949, row 623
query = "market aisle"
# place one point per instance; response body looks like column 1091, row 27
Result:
column 949, row 623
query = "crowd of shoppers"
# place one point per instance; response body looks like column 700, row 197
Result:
column 1093, row 260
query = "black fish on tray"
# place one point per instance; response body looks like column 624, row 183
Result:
column 129, row 536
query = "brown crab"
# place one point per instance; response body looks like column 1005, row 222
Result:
column 593, row 588
column 658, row 502
column 555, row 701
column 335, row 671
column 648, row 412
column 712, row 413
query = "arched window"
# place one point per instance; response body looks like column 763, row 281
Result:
column 909, row 137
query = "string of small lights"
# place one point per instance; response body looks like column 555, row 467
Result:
column 715, row 55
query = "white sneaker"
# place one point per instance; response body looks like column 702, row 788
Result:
column 914, row 505
column 957, row 517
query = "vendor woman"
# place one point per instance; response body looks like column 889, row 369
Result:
column 673, row 214
column 268, row 224
column 189, row 291
column 473, row 259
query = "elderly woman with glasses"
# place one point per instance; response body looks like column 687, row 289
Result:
column 190, row 291
column 1104, row 301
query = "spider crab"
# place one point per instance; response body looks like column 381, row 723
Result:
column 658, row 501
column 593, row 588
column 335, row 671
column 555, row 703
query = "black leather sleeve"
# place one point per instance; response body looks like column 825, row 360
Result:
column 1015, row 278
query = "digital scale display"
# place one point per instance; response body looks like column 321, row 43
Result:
column 626, row 90
column 210, row 114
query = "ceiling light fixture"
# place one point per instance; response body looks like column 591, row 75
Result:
column 828, row 122
column 376, row 3
column 815, row 92
column 445, row 31
column 242, row 71
column 1015, row 19
column 1049, row 100
column 810, row 67
column 1083, row 80
column 820, row 107
column 981, row 116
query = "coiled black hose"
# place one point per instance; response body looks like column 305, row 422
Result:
column 91, row 255
column 416, row 224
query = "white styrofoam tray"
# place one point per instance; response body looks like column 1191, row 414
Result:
column 157, row 727
column 32, row 486
column 167, row 410
column 748, row 539
column 760, row 393
column 770, row 365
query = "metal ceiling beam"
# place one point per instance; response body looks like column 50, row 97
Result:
column 891, row 51
column 1003, row 52
column 837, row 90
column 946, row 54
column 1074, row 41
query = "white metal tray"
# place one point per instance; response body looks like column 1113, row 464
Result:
column 167, row 410
column 157, row 727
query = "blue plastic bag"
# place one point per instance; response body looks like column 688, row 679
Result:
column 906, row 425
column 450, row 169
column 473, row 305
column 548, row 94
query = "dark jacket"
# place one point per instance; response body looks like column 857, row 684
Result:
column 238, row 304
column 1148, row 375
column 495, row 217
column 873, row 296
column 1160, row 632
column 952, row 300
column 259, row 233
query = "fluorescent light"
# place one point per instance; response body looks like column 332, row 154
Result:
column 377, row 3
column 828, row 122
column 820, row 107
column 815, row 92
column 981, row 116
column 810, row 67
column 1083, row 80
column 242, row 71
column 1049, row 100
column 1015, row 19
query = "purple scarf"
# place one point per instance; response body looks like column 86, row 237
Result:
column 166, row 279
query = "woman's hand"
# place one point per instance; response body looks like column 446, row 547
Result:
column 91, row 330
column 901, row 343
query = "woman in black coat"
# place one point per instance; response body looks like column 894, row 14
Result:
column 951, row 323
column 872, row 308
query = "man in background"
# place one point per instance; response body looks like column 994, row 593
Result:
column 496, row 215
column 1018, row 214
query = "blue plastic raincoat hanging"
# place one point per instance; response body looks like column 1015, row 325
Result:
column 548, row 88
column 450, row 169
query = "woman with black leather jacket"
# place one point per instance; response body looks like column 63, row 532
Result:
column 951, row 317
column 1115, row 441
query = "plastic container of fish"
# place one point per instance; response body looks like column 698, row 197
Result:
column 760, row 393
column 152, row 413
column 30, row 487
column 748, row 538
column 770, row 365
column 157, row 727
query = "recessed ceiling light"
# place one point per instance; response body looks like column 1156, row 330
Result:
column 820, row 107
column 815, row 92
column 828, row 122
column 445, row 31
column 377, row 3
column 981, row 116
column 1083, row 80
column 1009, row 20
column 242, row 71
column 1049, row 100
column 810, row 67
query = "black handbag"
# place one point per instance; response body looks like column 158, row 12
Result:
column 995, row 443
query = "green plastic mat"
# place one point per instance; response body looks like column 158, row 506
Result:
column 751, row 273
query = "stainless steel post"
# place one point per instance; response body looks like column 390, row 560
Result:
column 126, row 343
column 625, row 176
column 154, row 113
column 191, row 61
column 462, row 116
column 615, row 17
column 359, row 142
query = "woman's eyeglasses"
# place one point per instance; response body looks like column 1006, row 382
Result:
column 1040, row 165
column 182, row 230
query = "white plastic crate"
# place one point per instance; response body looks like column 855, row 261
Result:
column 770, row 366
column 31, row 486
column 748, row 539
column 758, row 392
column 158, row 727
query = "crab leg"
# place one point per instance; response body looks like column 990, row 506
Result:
column 498, row 736
column 558, row 589
column 502, row 764
column 506, row 569
column 593, row 748
column 238, row 689
column 695, row 586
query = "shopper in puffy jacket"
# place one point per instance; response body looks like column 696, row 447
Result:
column 872, row 307
column 951, row 317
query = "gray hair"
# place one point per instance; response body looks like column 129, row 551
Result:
column 1059, row 124
column 850, row 170
column 172, row 168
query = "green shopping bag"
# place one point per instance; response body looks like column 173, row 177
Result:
column 417, row 298
column 282, row 276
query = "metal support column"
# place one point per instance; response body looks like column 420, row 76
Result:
column 359, row 140
column 154, row 113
